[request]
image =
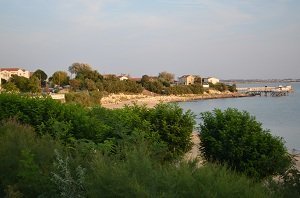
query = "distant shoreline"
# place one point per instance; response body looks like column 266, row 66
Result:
column 120, row 100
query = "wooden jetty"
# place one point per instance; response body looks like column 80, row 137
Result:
column 271, row 91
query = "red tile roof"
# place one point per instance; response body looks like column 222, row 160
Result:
column 11, row 69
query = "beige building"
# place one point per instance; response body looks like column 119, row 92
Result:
column 186, row 80
column 6, row 73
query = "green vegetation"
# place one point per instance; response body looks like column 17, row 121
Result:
column 166, row 124
column 49, row 149
column 236, row 139
column 34, row 166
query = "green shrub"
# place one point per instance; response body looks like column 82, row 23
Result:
column 173, row 126
column 138, row 175
column 165, row 124
column 64, row 121
column 85, row 98
column 26, row 161
column 235, row 138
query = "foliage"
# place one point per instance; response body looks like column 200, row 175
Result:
column 23, row 84
column 75, row 84
column 235, row 138
column 25, row 160
column 69, row 184
column 166, row 76
column 232, row 88
column 154, row 86
column 38, row 167
column 34, row 84
column 10, row 87
column 85, row 98
column 166, row 124
column 76, row 68
column 173, row 126
column 41, row 75
column 20, row 81
column 218, row 86
column 51, row 117
column 137, row 174
column 60, row 78
column 130, row 152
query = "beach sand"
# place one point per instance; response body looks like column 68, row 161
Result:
column 120, row 100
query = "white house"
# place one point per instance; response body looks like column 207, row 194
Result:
column 123, row 77
column 6, row 73
column 213, row 80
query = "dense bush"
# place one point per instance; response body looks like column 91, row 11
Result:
column 67, row 122
column 38, row 166
column 166, row 124
column 96, row 152
column 87, row 98
column 138, row 175
column 26, row 161
column 235, row 138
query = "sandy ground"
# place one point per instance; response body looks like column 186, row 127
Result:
column 194, row 153
column 120, row 100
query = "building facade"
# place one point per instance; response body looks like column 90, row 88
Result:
column 186, row 80
column 6, row 73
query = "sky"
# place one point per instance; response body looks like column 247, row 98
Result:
column 227, row 39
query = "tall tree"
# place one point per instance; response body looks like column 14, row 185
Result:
column 60, row 78
column 41, row 75
column 166, row 76
column 76, row 68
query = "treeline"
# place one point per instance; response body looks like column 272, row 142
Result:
column 84, row 78
column 50, row 149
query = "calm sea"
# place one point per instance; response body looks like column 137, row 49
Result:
column 279, row 114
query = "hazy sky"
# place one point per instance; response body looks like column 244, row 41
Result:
column 222, row 38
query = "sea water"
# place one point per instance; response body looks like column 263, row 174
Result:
column 281, row 115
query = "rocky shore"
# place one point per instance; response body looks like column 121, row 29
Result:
column 119, row 100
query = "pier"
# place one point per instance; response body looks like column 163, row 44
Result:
column 266, row 91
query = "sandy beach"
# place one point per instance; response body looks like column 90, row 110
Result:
column 119, row 100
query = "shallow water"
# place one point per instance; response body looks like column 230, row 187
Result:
column 279, row 114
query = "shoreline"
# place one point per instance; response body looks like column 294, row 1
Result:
column 114, row 101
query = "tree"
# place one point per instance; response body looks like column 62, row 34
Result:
column 166, row 76
column 41, row 75
column 236, row 139
column 76, row 68
column 34, row 85
column 75, row 84
column 10, row 86
column 60, row 78
column 145, row 79
column 21, row 82
column 90, row 85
